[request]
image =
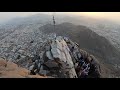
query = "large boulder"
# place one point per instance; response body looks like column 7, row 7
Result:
column 59, row 57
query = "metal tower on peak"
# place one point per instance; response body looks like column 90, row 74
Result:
column 54, row 22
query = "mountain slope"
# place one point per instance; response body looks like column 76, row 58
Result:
column 88, row 40
column 103, row 27
column 12, row 70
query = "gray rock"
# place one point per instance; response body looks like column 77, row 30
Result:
column 62, row 58
column 47, row 48
column 49, row 55
column 51, row 64
column 31, row 67
column 39, row 65
column 36, row 61
column 56, row 53
column 79, row 55
column 43, row 72
column 66, row 40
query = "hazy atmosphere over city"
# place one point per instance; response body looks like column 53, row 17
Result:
column 115, row 16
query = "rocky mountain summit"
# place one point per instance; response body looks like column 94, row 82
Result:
column 61, row 58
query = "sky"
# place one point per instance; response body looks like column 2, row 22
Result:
column 115, row 16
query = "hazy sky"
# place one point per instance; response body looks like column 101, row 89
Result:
column 4, row 16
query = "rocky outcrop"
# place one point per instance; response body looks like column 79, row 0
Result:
column 59, row 58
column 62, row 58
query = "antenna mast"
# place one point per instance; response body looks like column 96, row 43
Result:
column 54, row 22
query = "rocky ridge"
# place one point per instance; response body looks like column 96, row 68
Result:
column 62, row 58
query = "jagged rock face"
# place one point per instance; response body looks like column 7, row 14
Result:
column 62, row 58
column 59, row 57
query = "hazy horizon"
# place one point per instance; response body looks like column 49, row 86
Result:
column 114, row 16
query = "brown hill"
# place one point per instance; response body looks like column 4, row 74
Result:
column 11, row 70
column 89, row 41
